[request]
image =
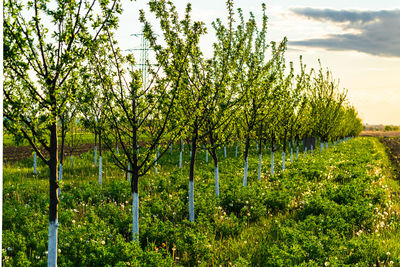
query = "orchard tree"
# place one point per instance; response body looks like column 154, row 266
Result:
column 44, row 43
column 142, row 114
column 325, row 101
column 255, row 79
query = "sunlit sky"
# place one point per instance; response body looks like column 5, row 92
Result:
column 359, row 41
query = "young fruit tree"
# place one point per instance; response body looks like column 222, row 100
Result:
column 255, row 78
column 183, row 40
column 44, row 46
column 140, row 115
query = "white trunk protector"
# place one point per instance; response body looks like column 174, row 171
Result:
column 225, row 151
column 291, row 154
column 297, row 152
column 180, row 159
column 191, row 201
column 283, row 160
column 129, row 174
column 100, row 176
column 207, row 156
column 60, row 177
column 52, row 247
column 259, row 166
column 34, row 163
column 311, row 149
column 171, row 149
column 322, row 146
column 135, row 213
column 272, row 162
column 305, row 151
column 236, row 151
column 246, row 166
column 95, row 156
column 72, row 162
column 216, row 173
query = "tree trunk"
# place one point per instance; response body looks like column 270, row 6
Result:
column 53, row 216
column 100, row 161
column 246, row 160
column 216, row 171
column 191, row 174
column 259, row 160
column 95, row 148
column 34, row 163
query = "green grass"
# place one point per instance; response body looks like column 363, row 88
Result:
column 338, row 207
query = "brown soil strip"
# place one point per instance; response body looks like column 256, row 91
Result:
column 393, row 148
column 12, row 153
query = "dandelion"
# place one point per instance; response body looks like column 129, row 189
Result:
column 59, row 250
column 103, row 242
column 73, row 221
column 388, row 253
column 326, row 263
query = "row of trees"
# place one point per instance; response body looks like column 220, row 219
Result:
column 244, row 92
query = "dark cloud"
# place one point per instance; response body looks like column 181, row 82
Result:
column 378, row 32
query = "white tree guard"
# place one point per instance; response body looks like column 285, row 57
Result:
column 52, row 245
column 117, row 150
column 225, row 151
column 216, row 174
column 60, row 169
column 246, row 166
column 291, row 154
column 283, row 160
column 180, row 159
column 259, row 166
column 207, row 156
column 326, row 145
column 322, row 146
column 135, row 213
column 297, row 152
column 72, row 162
column 311, row 149
column 272, row 162
column 191, row 201
column 95, row 156
column 236, row 151
column 34, row 163
column 305, row 151
column 100, row 171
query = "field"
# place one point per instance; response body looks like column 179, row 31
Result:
column 380, row 133
column 336, row 207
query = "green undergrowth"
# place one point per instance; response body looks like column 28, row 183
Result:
column 338, row 207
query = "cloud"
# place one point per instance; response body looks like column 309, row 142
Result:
column 372, row 32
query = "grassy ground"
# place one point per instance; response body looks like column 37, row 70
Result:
column 338, row 207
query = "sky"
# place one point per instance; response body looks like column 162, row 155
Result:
column 358, row 40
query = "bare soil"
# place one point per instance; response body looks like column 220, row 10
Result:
column 393, row 147
column 381, row 133
column 12, row 153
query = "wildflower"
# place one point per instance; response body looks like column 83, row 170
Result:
column 103, row 242
column 73, row 221
column 59, row 250
column 388, row 253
